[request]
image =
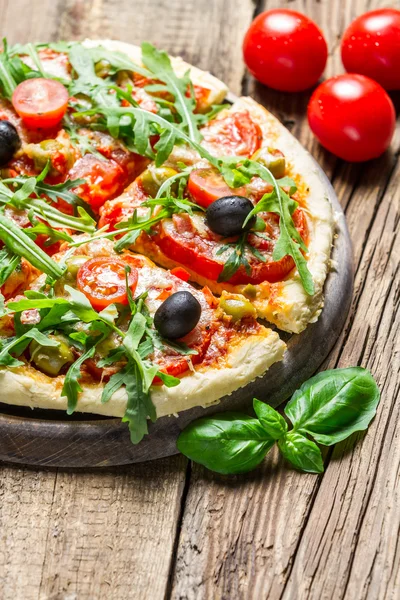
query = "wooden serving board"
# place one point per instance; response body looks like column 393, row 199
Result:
column 50, row 438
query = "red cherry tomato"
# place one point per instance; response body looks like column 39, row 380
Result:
column 352, row 116
column 206, row 185
column 41, row 103
column 371, row 46
column 102, row 280
column 285, row 50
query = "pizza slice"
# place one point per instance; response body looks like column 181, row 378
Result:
column 169, row 349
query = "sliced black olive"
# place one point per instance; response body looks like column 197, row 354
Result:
column 177, row 315
column 226, row 215
column 9, row 142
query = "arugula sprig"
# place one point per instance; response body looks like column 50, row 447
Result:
column 19, row 243
column 159, row 64
column 329, row 407
column 89, row 329
column 24, row 193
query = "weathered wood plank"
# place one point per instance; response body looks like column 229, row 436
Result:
column 107, row 534
column 112, row 534
column 280, row 533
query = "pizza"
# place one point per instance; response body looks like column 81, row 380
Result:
column 146, row 227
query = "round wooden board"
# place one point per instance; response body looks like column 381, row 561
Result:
column 48, row 438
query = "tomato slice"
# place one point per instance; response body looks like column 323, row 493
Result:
column 103, row 179
column 181, row 242
column 102, row 280
column 207, row 185
column 181, row 273
column 236, row 134
column 41, row 103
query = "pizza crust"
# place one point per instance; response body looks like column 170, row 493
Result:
column 218, row 89
column 247, row 359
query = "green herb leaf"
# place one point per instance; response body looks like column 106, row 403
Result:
column 301, row 452
column 139, row 405
column 18, row 242
column 334, row 404
column 273, row 423
column 159, row 63
column 72, row 387
column 8, row 263
column 228, row 443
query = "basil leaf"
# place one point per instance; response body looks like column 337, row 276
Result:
column 334, row 404
column 228, row 443
column 273, row 423
column 301, row 452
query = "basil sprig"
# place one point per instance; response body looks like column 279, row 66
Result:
column 329, row 407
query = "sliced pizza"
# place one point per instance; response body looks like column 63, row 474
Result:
column 287, row 290
column 172, row 348
column 109, row 149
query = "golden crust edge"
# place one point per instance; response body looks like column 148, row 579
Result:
column 244, row 362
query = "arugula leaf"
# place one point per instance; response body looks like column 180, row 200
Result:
column 72, row 387
column 18, row 242
column 139, row 405
column 8, row 263
column 18, row 344
column 159, row 63
column 236, row 259
column 7, row 80
column 115, row 382
column 21, row 199
column 117, row 60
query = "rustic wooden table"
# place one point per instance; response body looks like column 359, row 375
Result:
column 169, row 529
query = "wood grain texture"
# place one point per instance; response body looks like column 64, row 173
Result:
column 285, row 535
column 143, row 531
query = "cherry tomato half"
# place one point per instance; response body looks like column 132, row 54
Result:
column 102, row 280
column 41, row 103
column 206, row 185
column 371, row 46
column 352, row 116
column 285, row 50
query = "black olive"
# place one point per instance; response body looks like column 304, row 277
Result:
column 177, row 315
column 226, row 215
column 9, row 142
